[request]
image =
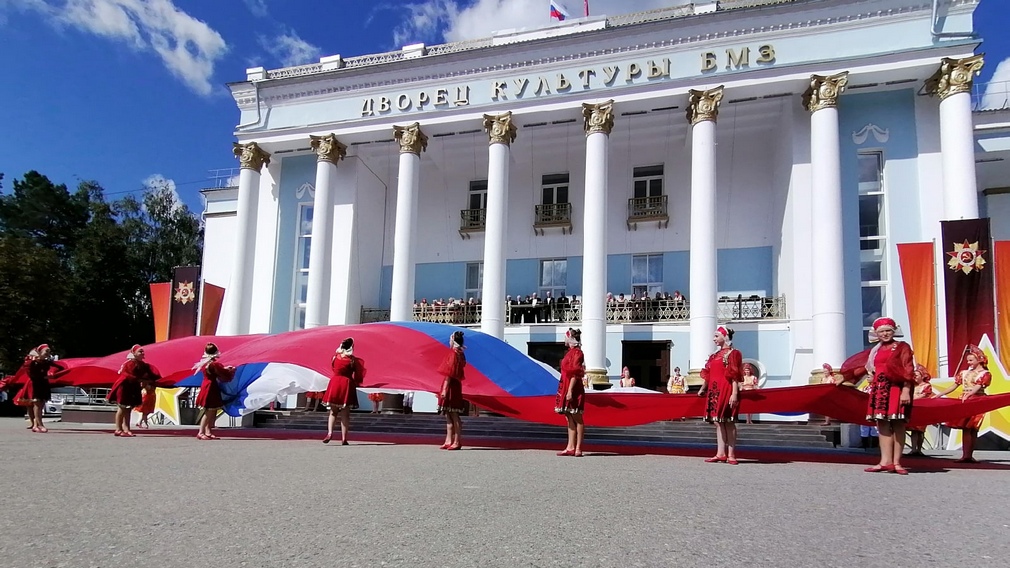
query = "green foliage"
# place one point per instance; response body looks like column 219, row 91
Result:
column 75, row 269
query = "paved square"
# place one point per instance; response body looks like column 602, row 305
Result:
column 76, row 498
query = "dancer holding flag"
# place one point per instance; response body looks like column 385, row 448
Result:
column 450, row 398
column 209, row 398
column 125, row 392
column 571, row 398
column 342, row 392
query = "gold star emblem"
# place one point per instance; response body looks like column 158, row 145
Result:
column 997, row 421
column 184, row 293
column 167, row 404
column 966, row 257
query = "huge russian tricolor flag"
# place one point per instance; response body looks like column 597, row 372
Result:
column 559, row 12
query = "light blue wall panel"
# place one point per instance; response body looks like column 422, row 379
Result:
column 675, row 271
column 619, row 274
column 439, row 280
column 522, row 277
column 575, row 275
column 295, row 171
column 745, row 269
column 386, row 287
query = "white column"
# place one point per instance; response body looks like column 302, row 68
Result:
column 501, row 133
column 412, row 143
column 238, row 295
column 952, row 83
column 703, row 112
column 328, row 152
column 827, row 270
column 599, row 121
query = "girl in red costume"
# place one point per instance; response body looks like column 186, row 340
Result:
column 36, row 391
column 450, row 398
column 147, row 402
column 571, row 398
column 209, row 398
column 125, row 393
column 722, row 375
column 972, row 381
column 922, row 390
column 342, row 392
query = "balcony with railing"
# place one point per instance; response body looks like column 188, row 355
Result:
column 647, row 210
column 471, row 221
column 994, row 95
column 552, row 215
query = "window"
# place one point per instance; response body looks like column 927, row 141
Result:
column 478, row 195
column 474, row 280
column 302, row 249
column 555, row 189
column 872, row 236
column 648, row 181
column 553, row 277
column 646, row 274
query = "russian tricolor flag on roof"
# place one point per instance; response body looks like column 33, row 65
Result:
column 559, row 12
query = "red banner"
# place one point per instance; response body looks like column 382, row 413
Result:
column 185, row 297
column 211, row 301
column 161, row 303
column 1001, row 266
column 968, row 283
column 919, row 279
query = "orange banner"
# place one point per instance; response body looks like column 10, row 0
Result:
column 918, row 275
column 161, row 303
column 213, row 297
column 1001, row 260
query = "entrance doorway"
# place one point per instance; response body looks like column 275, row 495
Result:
column 648, row 362
column 549, row 353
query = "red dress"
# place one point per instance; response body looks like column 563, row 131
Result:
column 126, row 390
column 348, row 373
column 36, row 387
column 969, row 380
column 893, row 368
column 210, row 389
column 450, row 398
column 148, row 402
column 573, row 368
column 724, row 367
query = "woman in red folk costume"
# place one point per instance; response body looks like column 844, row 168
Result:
column 209, row 398
column 922, row 390
column 571, row 398
column 723, row 374
column 125, row 393
column 973, row 382
column 450, row 398
column 36, row 391
column 342, row 392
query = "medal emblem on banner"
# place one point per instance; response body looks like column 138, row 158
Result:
column 184, row 293
column 966, row 257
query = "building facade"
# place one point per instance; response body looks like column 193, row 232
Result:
column 761, row 158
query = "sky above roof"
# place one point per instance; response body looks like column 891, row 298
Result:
column 123, row 91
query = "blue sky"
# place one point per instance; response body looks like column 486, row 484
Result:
column 96, row 89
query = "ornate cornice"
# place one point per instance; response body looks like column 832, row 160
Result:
column 251, row 156
column 500, row 128
column 411, row 139
column 704, row 105
column 824, row 91
column 954, row 76
column 328, row 148
column 598, row 117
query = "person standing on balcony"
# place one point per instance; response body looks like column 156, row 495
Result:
column 342, row 392
column 450, row 397
column 973, row 382
column 214, row 373
column 571, row 398
column 722, row 376
column 749, row 382
column 126, row 393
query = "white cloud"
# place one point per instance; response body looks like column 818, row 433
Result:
column 997, row 90
column 257, row 7
column 453, row 20
column 188, row 47
column 155, row 181
column 290, row 49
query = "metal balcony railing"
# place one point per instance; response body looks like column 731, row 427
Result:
column 647, row 209
column 472, row 221
column 552, row 215
column 994, row 95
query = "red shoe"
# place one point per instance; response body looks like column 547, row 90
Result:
column 732, row 461
column 900, row 470
column 454, row 448
column 213, row 437
column 716, row 459
column 444, row 447
column 327, row 439
column 566, row 453
column 577, row 454
column 879, row 469
column 127, row 435
column 201, row 437
column 34, row 429
column 117, row 433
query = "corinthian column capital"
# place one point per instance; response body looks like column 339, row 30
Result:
column 500, row 128
column 704, row 105
column 598, row 117
column 328, row 148
column 824, row 91
column 251, row 156
column 954, row 76
column 411, row 139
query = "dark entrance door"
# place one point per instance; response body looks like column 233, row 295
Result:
column 549, row 353
column 648, row 361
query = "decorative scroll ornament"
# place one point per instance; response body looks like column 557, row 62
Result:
column 500, row 128
column 599, row 117
column 879, row 134
column 954, row 76
column 251, row 156
column 824, row 91
column 704, row 105
column 411, row 139
column 328, row 149
column 305, row 188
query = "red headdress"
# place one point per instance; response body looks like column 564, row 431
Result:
column 983, row 361
column 133, row 352
column 725, row 332
column 881, row 324
column 923, row 373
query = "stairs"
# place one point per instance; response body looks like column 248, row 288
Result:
column 686, row 433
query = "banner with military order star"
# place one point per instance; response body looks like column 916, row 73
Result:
column 968, row 286
column 185, row 287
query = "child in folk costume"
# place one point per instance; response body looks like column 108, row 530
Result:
column 125, row 392
column 376, row 399
column 973, row 382
column 214, row 373
column 147, row 402
column 922, row 390
column 450, row 397
column 626, row 379
column 749, row 382
column 675, row 384
column 571, row 398
column 723, row 374
column 342, row 392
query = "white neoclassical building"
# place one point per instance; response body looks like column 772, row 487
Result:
column 760, row 157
